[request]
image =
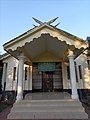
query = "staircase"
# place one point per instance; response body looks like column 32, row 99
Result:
column 47, row 109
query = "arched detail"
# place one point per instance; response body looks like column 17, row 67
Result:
column 43, row 44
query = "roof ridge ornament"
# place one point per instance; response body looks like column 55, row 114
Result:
column 49, row 22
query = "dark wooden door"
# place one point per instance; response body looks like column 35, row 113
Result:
column 47, row 81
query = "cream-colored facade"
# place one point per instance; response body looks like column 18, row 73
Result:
column 45, row 44
column 13, row 62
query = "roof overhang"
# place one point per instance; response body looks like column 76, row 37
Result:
column 44, row 28
column 42, row 39
column 45, row 45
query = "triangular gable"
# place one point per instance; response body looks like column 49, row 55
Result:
column 44, row 29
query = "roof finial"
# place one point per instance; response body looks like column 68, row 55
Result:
column 53, row 20
column 38, row 21
column 49, row 23
column 57, row 24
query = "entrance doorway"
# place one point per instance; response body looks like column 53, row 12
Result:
column 47, row 81
column 47, row 77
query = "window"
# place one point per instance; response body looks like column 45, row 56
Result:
column 88, row 61
column 80, row 71
column 68, row 72
column 14, row 73
column 25, row 73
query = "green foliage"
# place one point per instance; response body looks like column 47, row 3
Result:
column 0, row 79
column 3, row 106
column 9, row 99
column 88, row 54
column 0, row 87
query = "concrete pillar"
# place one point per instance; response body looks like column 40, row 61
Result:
column 20, row 78
column 4, row 75
column 30, row 77
column 64, row 75
column 72, row 75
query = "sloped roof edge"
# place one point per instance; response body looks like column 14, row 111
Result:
column 5, row 55
column 62, row 32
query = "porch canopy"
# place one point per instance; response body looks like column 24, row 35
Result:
column 45, row 39
column 45, row 45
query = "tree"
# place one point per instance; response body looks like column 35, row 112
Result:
column 88, row 39
column 88, row 52
column 0, row 79
column 1, row 69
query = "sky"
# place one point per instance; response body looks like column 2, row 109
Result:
column 16, row 17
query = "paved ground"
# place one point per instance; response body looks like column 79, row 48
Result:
column 3, row 115
column 87, row 111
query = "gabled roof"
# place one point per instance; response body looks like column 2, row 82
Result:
column 5, row 55
column 35, row 29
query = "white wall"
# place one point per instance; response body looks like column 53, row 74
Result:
column 10, row 83
column 83, row 83
column 11, row 63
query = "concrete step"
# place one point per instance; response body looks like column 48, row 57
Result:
column 48, row 109
column 47, row 115
column 48, row 102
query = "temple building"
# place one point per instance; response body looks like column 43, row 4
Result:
column 46, row 59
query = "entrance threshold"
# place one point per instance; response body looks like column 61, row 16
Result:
column 47, row 96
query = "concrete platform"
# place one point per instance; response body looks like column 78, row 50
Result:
column 47, row 96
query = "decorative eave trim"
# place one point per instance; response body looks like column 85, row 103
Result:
column 35, row 29
column 29, row 32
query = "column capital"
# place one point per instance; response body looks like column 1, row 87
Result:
column 71, row 55
column 4, row 62
column 21, row 57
